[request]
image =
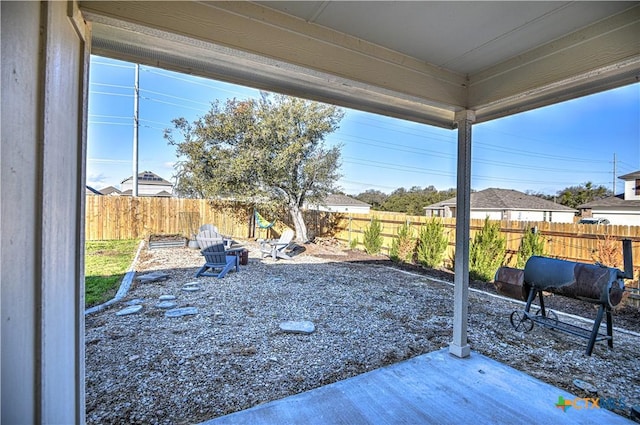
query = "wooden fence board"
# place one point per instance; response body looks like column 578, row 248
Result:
column 121, row 217
column 568, row 241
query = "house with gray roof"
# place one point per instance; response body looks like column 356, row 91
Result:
column 622, row 209
column 341, row 203
column 149, row 184
column 110, row 191
column 506, row 204
column 91, row 191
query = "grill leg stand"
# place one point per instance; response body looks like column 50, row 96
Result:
column 530, row 298
column 609, row 329
column 596, row 327
column 542, row 310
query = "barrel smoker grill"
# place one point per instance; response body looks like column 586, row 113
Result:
column 592, row 283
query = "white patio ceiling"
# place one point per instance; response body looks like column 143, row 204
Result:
column 420, row 61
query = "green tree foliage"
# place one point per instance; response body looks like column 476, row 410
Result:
column 578, row 195
column 269, row 148
column 432, row 243
column 372, row 237
column 401, row 200
column 487, row 252
column 375, row 198
column 531, row 244
column 403, row 245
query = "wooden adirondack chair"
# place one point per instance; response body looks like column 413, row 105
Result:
column 276, row 248
column 207, row 238
column 216, row 258
column 208, row 227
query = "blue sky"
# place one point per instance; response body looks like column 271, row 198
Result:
column 544, row 150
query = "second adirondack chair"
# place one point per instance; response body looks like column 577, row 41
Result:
column 216, row 258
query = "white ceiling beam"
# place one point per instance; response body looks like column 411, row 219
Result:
column 254, row 29
column 602, row 56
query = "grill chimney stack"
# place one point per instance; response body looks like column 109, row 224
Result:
column 627, row 255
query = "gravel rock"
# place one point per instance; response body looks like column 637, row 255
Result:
column 147, row 368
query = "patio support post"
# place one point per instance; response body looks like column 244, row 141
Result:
column 459, row 346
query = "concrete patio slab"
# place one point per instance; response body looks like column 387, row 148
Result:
column 434, row 388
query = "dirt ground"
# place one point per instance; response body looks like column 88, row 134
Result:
column 624, row 316
column 231, row 355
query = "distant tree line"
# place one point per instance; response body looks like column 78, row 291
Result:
column 413, row 201
column 573, row 196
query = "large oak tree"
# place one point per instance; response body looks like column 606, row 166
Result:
column 259, row 150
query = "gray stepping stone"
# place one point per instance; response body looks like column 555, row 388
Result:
column 135, row 301
column 129, row 310
column 191, row 287
column 298, row 327
column 152, row 277
column 167, row 297
column 166, row 304
column 585, row 386
column 183, row 311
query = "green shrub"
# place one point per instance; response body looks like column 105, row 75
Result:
column 432, row 243
column 353, row 243
column 487, row 252
column 531, row 244
column 372, row 238
column 403, row 245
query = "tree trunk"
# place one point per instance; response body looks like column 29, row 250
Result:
column 298, row 222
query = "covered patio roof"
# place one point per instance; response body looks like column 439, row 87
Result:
column 419, row 61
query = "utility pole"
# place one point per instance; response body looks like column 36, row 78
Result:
column 614, row 174
column 136, row 95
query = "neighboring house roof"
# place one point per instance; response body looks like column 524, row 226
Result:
column 617, row 201
column 91, row 191
column 343, row 200
column 505, row 199
column 161, row 194
column 149, row 178
column 631, row 176
column 110, row 190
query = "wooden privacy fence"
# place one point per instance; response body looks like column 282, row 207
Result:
column 125, row 217
column 567, row 241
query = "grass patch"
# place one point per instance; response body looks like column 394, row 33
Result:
column 105, row 264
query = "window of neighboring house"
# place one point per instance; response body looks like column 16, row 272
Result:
column 546, row 216
column 637, row 187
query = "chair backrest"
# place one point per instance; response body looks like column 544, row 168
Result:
column 207, row 238
column 209, row 227
column 215, row 253
column 286, row 238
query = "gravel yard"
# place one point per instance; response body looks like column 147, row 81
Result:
column 231, row 355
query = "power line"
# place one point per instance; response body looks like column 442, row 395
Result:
column 115, row 65
column 174, row 77
column 111, row 94
column 110, row 116
column 407, row 169
column 111, row 85
column 171, row 103
column 427, row 152
column 108, row 123
column 175, row 97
